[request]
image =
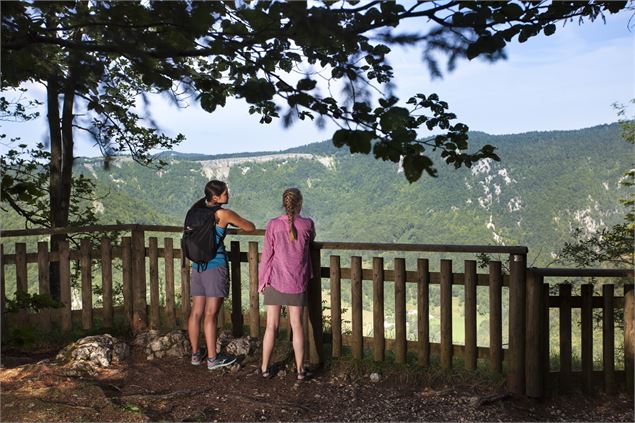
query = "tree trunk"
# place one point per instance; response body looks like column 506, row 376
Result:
column 56, row 212
column 61, row 132
column 66, row 174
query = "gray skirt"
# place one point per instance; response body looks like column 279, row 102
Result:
column 275, row 297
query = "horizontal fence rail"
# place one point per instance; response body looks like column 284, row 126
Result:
column 139, row 263
column 12, row 233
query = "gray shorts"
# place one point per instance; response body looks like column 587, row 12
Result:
column 212, row 282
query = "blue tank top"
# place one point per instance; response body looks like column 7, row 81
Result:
column 221, row 256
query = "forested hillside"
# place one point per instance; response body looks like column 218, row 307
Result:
column 546, row 184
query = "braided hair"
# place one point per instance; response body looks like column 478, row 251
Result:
column 292, row 203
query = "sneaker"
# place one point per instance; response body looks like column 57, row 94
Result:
column 219, row 361
column 198, row 357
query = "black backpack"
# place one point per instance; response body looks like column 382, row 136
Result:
column 199, row 235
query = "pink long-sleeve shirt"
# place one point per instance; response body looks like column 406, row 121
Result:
column 286, row 264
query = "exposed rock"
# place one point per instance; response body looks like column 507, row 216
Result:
column 240, row 346
column 120, row 351
column 236, row 346
column 177, row 344
column 374, row 377
column 86, row 354
column 142, row 339
column 223, row 340
column 155, row 345
column 474, row 401
column 79, row 369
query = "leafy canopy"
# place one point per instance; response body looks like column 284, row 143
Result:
column 257, row 51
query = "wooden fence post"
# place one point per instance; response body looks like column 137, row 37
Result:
column 87, row 283
column 305, row 331
column 126, row 275
column 356, row 305
column 587, row 338
column 400, row 311
column 565, row 337
column 629, row 336
column 168, row 256
column 139, row 303
column 21, row 279
column 379, row 343
column 43, row 267
column 106, row 281
column 254, row 304
column 336, row 305
column 446, row 314
column 65, row 285
column 545, row 351
column 608, row 338
column 3, row 293
column 471, row 351
column 517, row 293
column 153, row 256
column 220, row 320
column 237, row 305
column 495, row 317
column 316, row 331
column 533, row 358
column 423, row 311
column 186, row 268
column 43, row 281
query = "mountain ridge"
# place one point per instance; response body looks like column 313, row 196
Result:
column 326, row 144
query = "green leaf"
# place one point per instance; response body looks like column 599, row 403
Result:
column 256, row 90
column 549, row 29
column 337, row 72
column 615, row 6
column 512, row 11
column 286, row 65
column 358, row 141
column 381, row 49
column 208, row 103
column 393, row 118
column 306, row 84
column 414, row 165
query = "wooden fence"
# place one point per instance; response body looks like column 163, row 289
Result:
column 525, row 358
column 539, row 304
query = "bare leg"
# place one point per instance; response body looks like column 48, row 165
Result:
column 212, row 306
column 194, row 321
column 268, row 341
column 295, row 315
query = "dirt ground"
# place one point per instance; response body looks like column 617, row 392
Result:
column 35, row 388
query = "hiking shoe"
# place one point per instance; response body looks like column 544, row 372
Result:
column 219, row 361
column 198, row 357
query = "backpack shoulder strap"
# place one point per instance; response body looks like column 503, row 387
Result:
column 213, row 210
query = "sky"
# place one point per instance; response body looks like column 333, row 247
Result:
column 566, row 81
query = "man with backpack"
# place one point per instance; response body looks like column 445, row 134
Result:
column 204, row 231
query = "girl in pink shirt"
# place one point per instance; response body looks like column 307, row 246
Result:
column 284, row 274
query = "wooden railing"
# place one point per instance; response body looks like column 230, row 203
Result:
column 539, row 303
column 526, row 318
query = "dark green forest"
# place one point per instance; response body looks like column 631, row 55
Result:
column 546, row 184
